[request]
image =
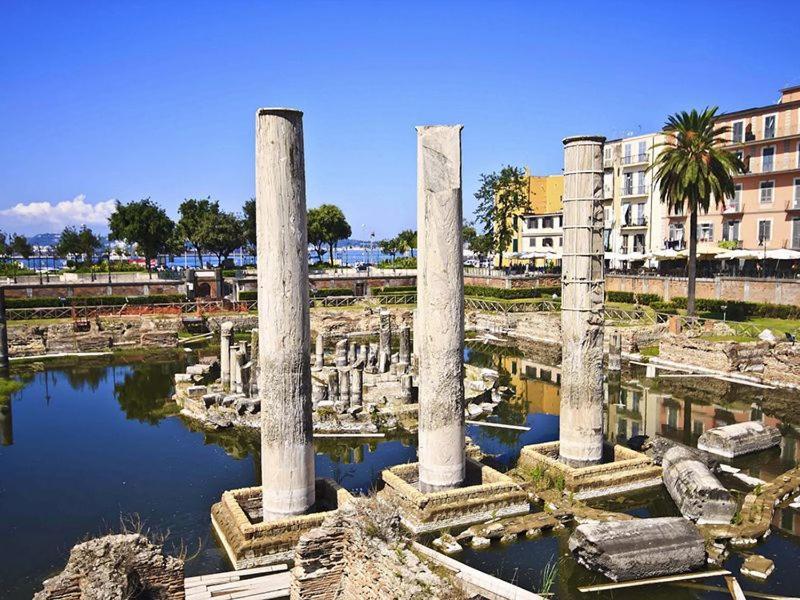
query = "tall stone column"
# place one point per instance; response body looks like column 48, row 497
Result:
column 385, row 341
column 582, row 303
column 4, row 358
column 615, row 351
column 356, row 382
column 287, row 451
column 404, row 354
column 225, row 337
column 440, row 308
column 319, row 352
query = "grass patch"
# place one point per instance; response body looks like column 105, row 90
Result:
column 8, row 387
column 650, row 351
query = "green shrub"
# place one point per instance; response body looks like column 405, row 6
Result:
column 248, row 295
column 480, row 291
column 94, row 301
column 394, row 289
column 404, row 262
column 664, row 307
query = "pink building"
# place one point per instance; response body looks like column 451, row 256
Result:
column 765, row 212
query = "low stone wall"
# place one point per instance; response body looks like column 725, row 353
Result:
column 96, row 288
column 719, row 356
column 104, row 334
column 746, row 289
column 117, row 567
column 360, row 554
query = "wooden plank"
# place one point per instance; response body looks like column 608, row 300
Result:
column 719, row 588
column 266, row 582
column 498, row 425
column 734, row 588
column 349, row 435
column 651, row 580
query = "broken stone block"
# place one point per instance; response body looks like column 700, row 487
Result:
column 767, row 336
column 696, row 491
column 182, row 377
column 210, row 400
column 639, row 548
column 478, row 542
column 757, row 567
column 196, row 391
column 508, row 538
column 447, row 544
column 740, row 438
column 473, row 410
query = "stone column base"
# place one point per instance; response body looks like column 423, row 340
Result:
column 630, row 470
column 487, row 494
column 250, row 542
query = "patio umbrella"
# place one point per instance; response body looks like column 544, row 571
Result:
column 735, row 254
column 783, row 254
column 666, row 254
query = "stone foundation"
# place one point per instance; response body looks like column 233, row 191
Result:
column 486, row 494
column 361, row 554
column 117, row 567
column 250, row 542
column 630, row 470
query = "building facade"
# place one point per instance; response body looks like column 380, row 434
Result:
column 633, row 209
column 532, row 229
column 764, row 213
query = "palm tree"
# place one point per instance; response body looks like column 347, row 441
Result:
column 692, row 169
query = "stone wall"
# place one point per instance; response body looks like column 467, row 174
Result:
column 117, row 567
column 747, row 289
column 360, row 554
column 719, row 356
column 103, row 335
column 97, row 288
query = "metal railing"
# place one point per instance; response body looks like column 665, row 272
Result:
column 117, row 310
column 632, row 159
column 634, row 190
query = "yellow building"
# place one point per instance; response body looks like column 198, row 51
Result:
column 545, row 193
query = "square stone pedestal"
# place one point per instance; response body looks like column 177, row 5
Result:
column 630, row 470
column 487, row 494
column 251, row 542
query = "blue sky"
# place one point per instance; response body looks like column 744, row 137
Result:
column 105, row 100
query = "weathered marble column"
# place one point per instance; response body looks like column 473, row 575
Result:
column 385, row 341
column 333, row 386
column 254, row 366
column 225, row 337
column 356, row 383
column 582, row 303
column 287, row 451
column 440, row 284
column 351, row 354
column 615, row 351
column 319, row 352
column 363, row 355
column 404, row 354
column 341, row 353
column 240, row 356
column 344, row 385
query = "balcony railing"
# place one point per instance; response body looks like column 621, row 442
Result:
column 633, row 159
column 732, row 207
column 636, row 221
column 634, row 190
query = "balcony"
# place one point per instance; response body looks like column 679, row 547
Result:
column 793, row 204
column 635, row 159
column 640, row 221
column 634, row 190
column 732, row 207
column 676, row 245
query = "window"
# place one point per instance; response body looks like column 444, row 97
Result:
column 796, row 233
column 769, row 126
column 642, row 151
column 547, row 242
column 730, row 231
column 764, row 231
column 531, row 242
column 738, row 131
column 627, row 157
column 533, row 223
column 640, row 187
column 607, row 153
column 706, row 232
column 798, row 156
column 768, row 159
column 627, row 187
column 766, row 188
column 796, row 193
column 515, row 246
column 547, row 223
column 676, row 232
column 735, row 203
